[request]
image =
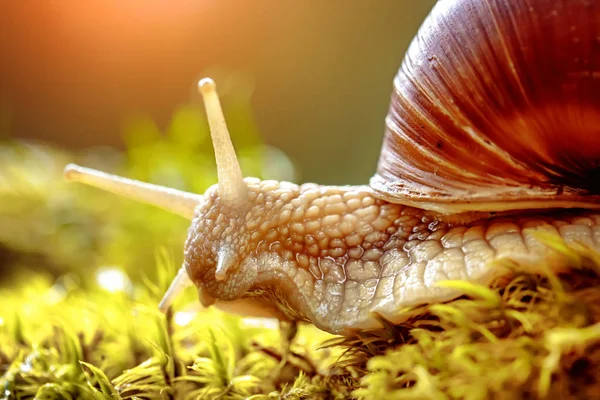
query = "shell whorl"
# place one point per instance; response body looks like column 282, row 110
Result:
column 496, row 107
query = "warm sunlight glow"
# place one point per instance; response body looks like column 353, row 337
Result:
column 113, row 280
column 183, row 318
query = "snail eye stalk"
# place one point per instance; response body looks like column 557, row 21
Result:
column 232, row 188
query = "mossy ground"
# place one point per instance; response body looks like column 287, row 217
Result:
column 67, row 333
column 534, row 336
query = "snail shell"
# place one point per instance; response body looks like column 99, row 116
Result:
column 495, row 108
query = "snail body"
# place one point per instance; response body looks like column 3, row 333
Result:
column 479, row 158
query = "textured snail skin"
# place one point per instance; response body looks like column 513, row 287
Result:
column 497, row 107
column 333, row 255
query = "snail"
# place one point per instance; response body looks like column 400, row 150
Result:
column 492, row 137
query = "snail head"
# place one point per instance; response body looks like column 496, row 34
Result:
column 218, row 259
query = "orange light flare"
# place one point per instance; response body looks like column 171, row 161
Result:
column 88, row 63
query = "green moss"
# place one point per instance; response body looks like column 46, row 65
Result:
column 534, row 336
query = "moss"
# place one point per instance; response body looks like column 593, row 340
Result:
column 68, row 334
column 533, row 337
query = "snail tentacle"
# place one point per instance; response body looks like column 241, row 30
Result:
column 172, row 200
column 226, row 259
column 180, row 283
column 232, row 188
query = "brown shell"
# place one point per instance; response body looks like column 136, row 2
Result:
column 497, row 107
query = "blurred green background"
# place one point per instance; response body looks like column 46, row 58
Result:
column 319, row 72
column 111, row 85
